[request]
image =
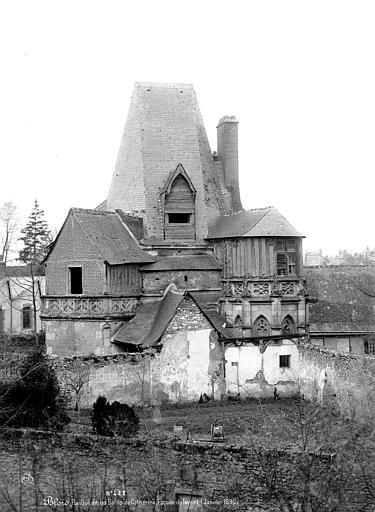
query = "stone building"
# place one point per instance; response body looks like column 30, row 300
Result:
column 173, row 215
column 19, row 295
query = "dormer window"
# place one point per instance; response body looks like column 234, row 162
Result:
column 178, row 198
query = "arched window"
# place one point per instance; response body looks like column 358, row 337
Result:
column 237, row 326
column 288, row 325
column 179, row 206
column 261, row 327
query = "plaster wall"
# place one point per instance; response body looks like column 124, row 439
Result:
column 67, row 337
column 11, row 308
column 257, row 372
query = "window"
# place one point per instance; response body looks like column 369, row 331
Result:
column 26, row 317
column 75, row 280
column 288, row 325
column 370, row 346
column 286, row 257
column 178, row 198
column 284, row 361
column 178, row 218
column 261, row 327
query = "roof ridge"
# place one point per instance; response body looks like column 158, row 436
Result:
column 266, row 210
column 93, row 211
column 166, row 85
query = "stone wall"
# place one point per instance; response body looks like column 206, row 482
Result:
column 208, row 476
column 183, row 279
column 346, row 380
column 189, row 363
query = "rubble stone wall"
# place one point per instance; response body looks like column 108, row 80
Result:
column 347, row 380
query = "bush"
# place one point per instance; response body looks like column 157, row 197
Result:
column 34, row 400
column 115, row 418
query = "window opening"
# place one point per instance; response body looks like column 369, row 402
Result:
column 286, row 257
column 178, row 218
column 288, row 326
column 75, row 280
column 284, row 361
column 26, row 317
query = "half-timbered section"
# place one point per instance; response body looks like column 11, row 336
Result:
column 263, row 290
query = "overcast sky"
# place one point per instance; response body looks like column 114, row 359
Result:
column 299, row 76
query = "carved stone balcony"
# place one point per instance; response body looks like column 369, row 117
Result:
column 88, row 307
column 263, row 288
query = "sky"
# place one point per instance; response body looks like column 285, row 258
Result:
column 298, row 75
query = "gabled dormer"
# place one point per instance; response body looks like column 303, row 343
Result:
column 178, row 204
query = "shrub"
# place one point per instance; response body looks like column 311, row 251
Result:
column 34, row 400
column 115, row 418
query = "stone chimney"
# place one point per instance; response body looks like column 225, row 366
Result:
column 227, row 148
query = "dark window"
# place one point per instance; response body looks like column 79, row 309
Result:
column 286, row 257
column 178, row 218
column 185, row 278
column 284, row 361
column 75, row 280
column 26, row 317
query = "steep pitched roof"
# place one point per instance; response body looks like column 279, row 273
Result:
column 252, row 223
column 110, row 236
column 151, row 320
column 192, row 262
column 164, row 130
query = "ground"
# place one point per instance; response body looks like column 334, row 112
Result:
column 264, row 444
column 247, row 422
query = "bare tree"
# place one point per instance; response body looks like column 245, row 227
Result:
column 8, row 229
column 75, row 379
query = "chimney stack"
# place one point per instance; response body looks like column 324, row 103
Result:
column 227, row 148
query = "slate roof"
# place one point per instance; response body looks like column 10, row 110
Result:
column 111, row 237
column 259, row 222
column 150, row 322
column 192, row 262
